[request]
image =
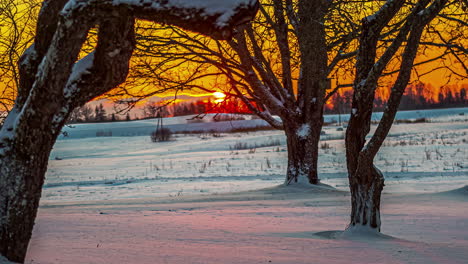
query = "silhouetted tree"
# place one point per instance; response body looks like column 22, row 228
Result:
column 100, row 113
column 17, row 19
column 365, row 180
column 53, row 83
column 278, row 65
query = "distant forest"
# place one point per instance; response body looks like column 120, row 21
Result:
column 417, row 96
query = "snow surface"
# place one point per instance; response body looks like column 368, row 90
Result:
column 285, row 225
column 197, row 199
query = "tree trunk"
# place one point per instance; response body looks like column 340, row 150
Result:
column 366, row 188
column 24, row 175
column 366, row 181
column 302, row 142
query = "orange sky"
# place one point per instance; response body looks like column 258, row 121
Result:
column 436, row 78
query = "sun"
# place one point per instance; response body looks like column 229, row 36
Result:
column 219, row 96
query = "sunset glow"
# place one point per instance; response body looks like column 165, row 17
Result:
column 219, row 97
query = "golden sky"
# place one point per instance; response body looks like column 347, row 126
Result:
column 436, row 78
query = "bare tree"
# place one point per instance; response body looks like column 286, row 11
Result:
column 151, row 109
column 16, row 34
column 378, row 51
column 53, row 83
column 280, row 65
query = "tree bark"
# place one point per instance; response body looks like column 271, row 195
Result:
column 366, row 188
column 24, row 175
column 302, row 142
column 365, row 181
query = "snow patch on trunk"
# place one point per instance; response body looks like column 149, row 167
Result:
column 113, row 53
column 303, row 131
column 9, row 129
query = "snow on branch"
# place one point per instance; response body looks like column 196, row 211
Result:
column 381, row 12
column 211, row 17
column 80, row 68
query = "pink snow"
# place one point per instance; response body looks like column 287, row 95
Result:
column 275, row 225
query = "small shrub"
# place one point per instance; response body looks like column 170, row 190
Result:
column 412, row 121
column 215, row 133
column 243, row 145
column 325, row 145
column 239, row 146
column 202, row 168
column 428, row 154
column 161, row 135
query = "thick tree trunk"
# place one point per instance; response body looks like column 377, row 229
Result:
column 302, row 142
column 303, row 132
column 365, row 180
column 366, row 189
column 24, row 175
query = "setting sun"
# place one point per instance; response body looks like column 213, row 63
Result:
column 219, row 96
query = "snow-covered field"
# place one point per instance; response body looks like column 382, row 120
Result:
column 421, row 157
column 196, row 199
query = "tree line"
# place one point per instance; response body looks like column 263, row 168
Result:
column 88, row 114
column 416, row 97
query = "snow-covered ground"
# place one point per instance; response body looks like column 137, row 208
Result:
column 283, row 225
column 196, row 199
column 421, row 157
